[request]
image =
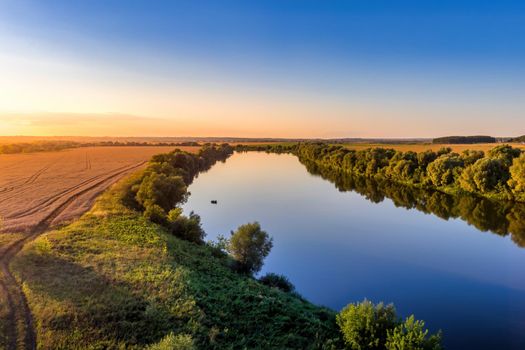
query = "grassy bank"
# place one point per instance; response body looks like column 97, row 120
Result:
column 114, row 279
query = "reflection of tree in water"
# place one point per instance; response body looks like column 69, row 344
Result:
column 501, row 218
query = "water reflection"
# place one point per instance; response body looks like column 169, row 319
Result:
column 501, row 218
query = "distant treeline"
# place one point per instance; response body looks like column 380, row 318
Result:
column 464, row 139
column 50, row 146
column 499, row 174
column 43, row 146
column 135, row 143
column 518, row 139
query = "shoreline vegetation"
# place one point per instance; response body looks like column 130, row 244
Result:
column 498, row 174
column 135, row 273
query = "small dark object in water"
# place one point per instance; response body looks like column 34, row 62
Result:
column 214, row 201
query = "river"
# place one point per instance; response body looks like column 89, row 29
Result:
column 452, row 263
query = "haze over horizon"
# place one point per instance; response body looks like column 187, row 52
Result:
column 285, row 69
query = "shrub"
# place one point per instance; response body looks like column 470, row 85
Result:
column 412, row 335
column 365, row 325
column 249, row 245
column 277, row 281
column 155, row 214
column 187, row 227
column 174, row 342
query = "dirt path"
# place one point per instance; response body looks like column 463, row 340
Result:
column 20, row 329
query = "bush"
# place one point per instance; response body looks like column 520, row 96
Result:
column 155, row 214
column 173, row 342
column 186, row 227
column 412, row 335
column 277, row 281
column 365, row 325
column 249, row 245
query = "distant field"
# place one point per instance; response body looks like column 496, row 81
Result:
column 62, row 184
column 418, row 147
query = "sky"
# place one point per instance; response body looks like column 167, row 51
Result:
column 283, row 68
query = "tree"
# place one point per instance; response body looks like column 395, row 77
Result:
column 486, row 175
column 471, row 156
column 444, row 170
column 412, row 335
column 425, row 158
column 249, row 245
column 517, row 177
column 505, row 152
column 164, row 191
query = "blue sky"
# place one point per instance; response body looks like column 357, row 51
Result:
column 263, row 68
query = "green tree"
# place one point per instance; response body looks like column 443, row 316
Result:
column 164, row 191
column 186, row 227
column 249, row 245
column 445, row 169
column 486, row 175
column 471, row 156
column 425, row 158
column 412, row 335
column 505, row 152
column 517, row 177
column 365, row 326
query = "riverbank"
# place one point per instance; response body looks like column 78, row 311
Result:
column 115, row 279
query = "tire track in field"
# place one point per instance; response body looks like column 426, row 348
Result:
column 46, row 203
column 20, row 328
column 88, row 163
column 30, row 180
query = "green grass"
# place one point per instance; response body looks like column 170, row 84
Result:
column 113, row 280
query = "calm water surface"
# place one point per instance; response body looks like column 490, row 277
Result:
column 339, row 247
